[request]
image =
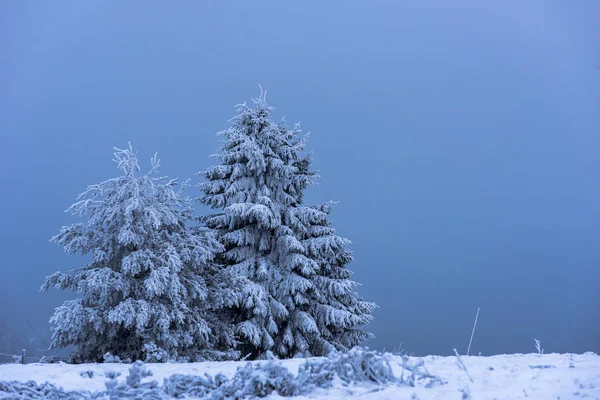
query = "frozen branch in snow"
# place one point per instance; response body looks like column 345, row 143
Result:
column 461, row 364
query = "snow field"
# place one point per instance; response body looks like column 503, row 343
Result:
column 502, row 377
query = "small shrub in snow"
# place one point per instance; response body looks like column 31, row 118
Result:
column 137, row 372
column 112, row 374
column 418, row 373
column 258, row 380
column 112, row 359
column 250, row 381
column 111, row 382
column 87, row 374
column 45, row 391
column 356, row 366
column 155, row 353
column 178, row 385
column 133, row 388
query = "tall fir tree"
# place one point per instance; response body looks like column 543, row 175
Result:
column 295, row 301
column 150, row 291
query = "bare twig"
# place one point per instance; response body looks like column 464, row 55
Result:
column 538, row 346
column 473, row 332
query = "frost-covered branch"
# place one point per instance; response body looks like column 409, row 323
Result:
column 461, row 364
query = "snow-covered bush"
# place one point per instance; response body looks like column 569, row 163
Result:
column 414, row 372
column 359, row 367
column 108, row 357
column 151, row 290
column 250, row 381
column 45, row 391
column 258, row 380
column 179, row 385
column 87, row 374
column 356, row 366
column 133, row 388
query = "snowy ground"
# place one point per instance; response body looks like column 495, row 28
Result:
column 511, row 377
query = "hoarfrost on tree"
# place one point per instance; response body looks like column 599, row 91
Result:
column 298, row 299
column 335, row 308
column 150, row 290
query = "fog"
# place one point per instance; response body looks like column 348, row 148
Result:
column 460, row 138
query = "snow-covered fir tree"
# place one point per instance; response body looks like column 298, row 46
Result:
column 298, row 299
column 330, row 300
column 150, row 291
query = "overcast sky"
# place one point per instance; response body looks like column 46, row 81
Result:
column 461, row 138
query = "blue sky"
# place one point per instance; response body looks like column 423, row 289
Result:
column 460, row 138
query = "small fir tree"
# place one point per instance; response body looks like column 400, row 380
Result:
column 150, row 291
column 295, row 300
